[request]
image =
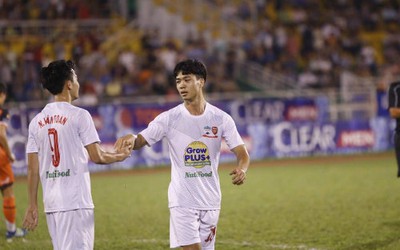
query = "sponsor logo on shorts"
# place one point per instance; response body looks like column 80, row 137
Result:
column 197, row 174
column 197, row 155
column 57, row 174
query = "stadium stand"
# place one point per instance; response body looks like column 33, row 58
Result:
column 128, row 48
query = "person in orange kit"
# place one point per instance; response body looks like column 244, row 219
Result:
column 6, row 173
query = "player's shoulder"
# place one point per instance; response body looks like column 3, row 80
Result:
column 75, row 110
column 167, row 115
column 174, row 112
column 34, row 121
column 73, row 107
column 175, row 109
column 216, row 111
column 38, row 116
column 81, row 110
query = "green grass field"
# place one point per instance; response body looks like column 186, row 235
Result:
column 340, row 202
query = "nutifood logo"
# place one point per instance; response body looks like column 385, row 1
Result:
column 57, row 174
column 197, row 155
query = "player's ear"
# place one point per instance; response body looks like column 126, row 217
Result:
column 68, row 84
column 202, row 82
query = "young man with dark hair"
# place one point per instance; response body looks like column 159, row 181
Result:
column 6, row 173
column 61, row 137
column 194, row 131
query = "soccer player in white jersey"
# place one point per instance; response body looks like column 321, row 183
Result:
column 61, row 137
column 194, row 131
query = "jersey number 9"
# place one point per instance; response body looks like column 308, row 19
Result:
column 54, row 146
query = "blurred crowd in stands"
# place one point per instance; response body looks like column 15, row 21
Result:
column 54, row 9
column 313, row 41
column 310, row 41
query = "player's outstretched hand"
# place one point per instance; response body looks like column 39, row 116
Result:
column 238, row 176
column 31, row 218
column 125, row 141
column 125, row 151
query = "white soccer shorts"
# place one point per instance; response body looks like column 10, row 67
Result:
column 189, row 226
column 71, row 229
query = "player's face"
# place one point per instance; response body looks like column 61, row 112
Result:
column 189, row 86
column 75, row 86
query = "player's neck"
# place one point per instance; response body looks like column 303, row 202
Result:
column 196, row 107
column 63, row 98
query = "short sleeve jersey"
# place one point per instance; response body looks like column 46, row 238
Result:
column 394, row 100
column 59, row 134
column 194, row 148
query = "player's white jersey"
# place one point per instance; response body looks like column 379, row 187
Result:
column 58, row 134
column 194, row 148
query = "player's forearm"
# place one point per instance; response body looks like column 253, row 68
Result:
column 242, row 157
column 33, row 180
column 108, row 157
column 99, row 156
column 33, row 185
column 243, row 161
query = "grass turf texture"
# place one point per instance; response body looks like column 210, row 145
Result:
column 339, row 202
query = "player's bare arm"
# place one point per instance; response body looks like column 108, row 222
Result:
column 243, row 162
column 31, row 214
column 394, row 112
column 135, row 142
column 4, row 142
column 99, row 156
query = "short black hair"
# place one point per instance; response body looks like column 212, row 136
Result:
column 3, row 88
column 191, row 66
column 56, row 74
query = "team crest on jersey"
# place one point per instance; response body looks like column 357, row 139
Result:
column 210, row 132
column 197, row 155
